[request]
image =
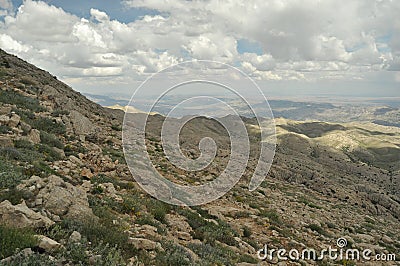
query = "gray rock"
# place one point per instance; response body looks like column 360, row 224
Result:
column 34, row 136
column 81, row 124
column 142, row 243
column 6, row 142
column 48, row 244
column 14, row 120
column 64, row 199
column 21, row 216
column 5, row 110
column 4, row 119
column 75, row 237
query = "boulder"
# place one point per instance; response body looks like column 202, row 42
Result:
column 48, row 244
column 4, row 119
column 21, row 216
column 5, row 110
column 81, row 124
column 14, row 120
column 64, row 199
column 142, row 243
column 75, row 237
column 59, row 198
column 6, row 142
column 34, row 136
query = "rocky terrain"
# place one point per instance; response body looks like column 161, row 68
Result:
column 68, row 198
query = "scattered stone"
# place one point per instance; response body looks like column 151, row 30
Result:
column 14, row 120
column 4, row 119
column 75, row 160
column 48, row 244
column 5, row 110
column 86, row 173
column 21, row 216
column 142, row 243
column 6, row 142
column 75, row 237
column 81, row 124
column 183, row 236
column 34, row 136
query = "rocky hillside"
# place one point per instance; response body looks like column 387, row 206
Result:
column 67, row 197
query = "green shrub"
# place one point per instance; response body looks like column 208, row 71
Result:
column 50, row 154
column 15, row 196
column 51, row 140
column 158, row 209
column 318, row 229
column 12, row 97
column 209, row 231
column 74, row 149
column 39, row 168
column 116, row 127
column 173, row 255
column 10, row 153
column 48, row 125
column 102, row 232
column 215, row 255
column 23, row 144
column 246, row 231
column 12, row 239
column 272, row 215
column 10, row 175
column 4, row 129
column 59, row 112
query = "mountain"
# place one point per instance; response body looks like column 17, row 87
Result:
column 67, row 196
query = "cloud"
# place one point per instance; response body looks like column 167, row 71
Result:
column 277, row 40
column 6, row 4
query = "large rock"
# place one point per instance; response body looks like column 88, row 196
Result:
column 60, row 198
column 4, row 119
column 142, row 243
column 48, row 244
column 14, row 120
column 21, row 216
column 81, row 124
column 6, row 142
column 34, row 136
column 75, row 237
column 5, row 110
column 64, row 199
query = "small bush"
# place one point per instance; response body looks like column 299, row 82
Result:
column 215, row 255
column 23, row 144
column 116, row 127
column 12, row 97
column 48, row 125
column 74, row 149
column 209, row 231
column 59, row 112
column 50, row 154
column 10, row 175
column 272, row 215
column 158, row 209
column 246, row 231
column 317, row 229
column 15, row 196
column 10, row 153
column 173, row 255
column 50, row 140
column 12, row 239
column 4, row 129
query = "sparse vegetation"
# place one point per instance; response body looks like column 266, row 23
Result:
column 12, row 239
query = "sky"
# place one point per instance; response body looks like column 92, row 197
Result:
column 289, row 47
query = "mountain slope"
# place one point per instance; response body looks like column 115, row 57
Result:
column 63, row 175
